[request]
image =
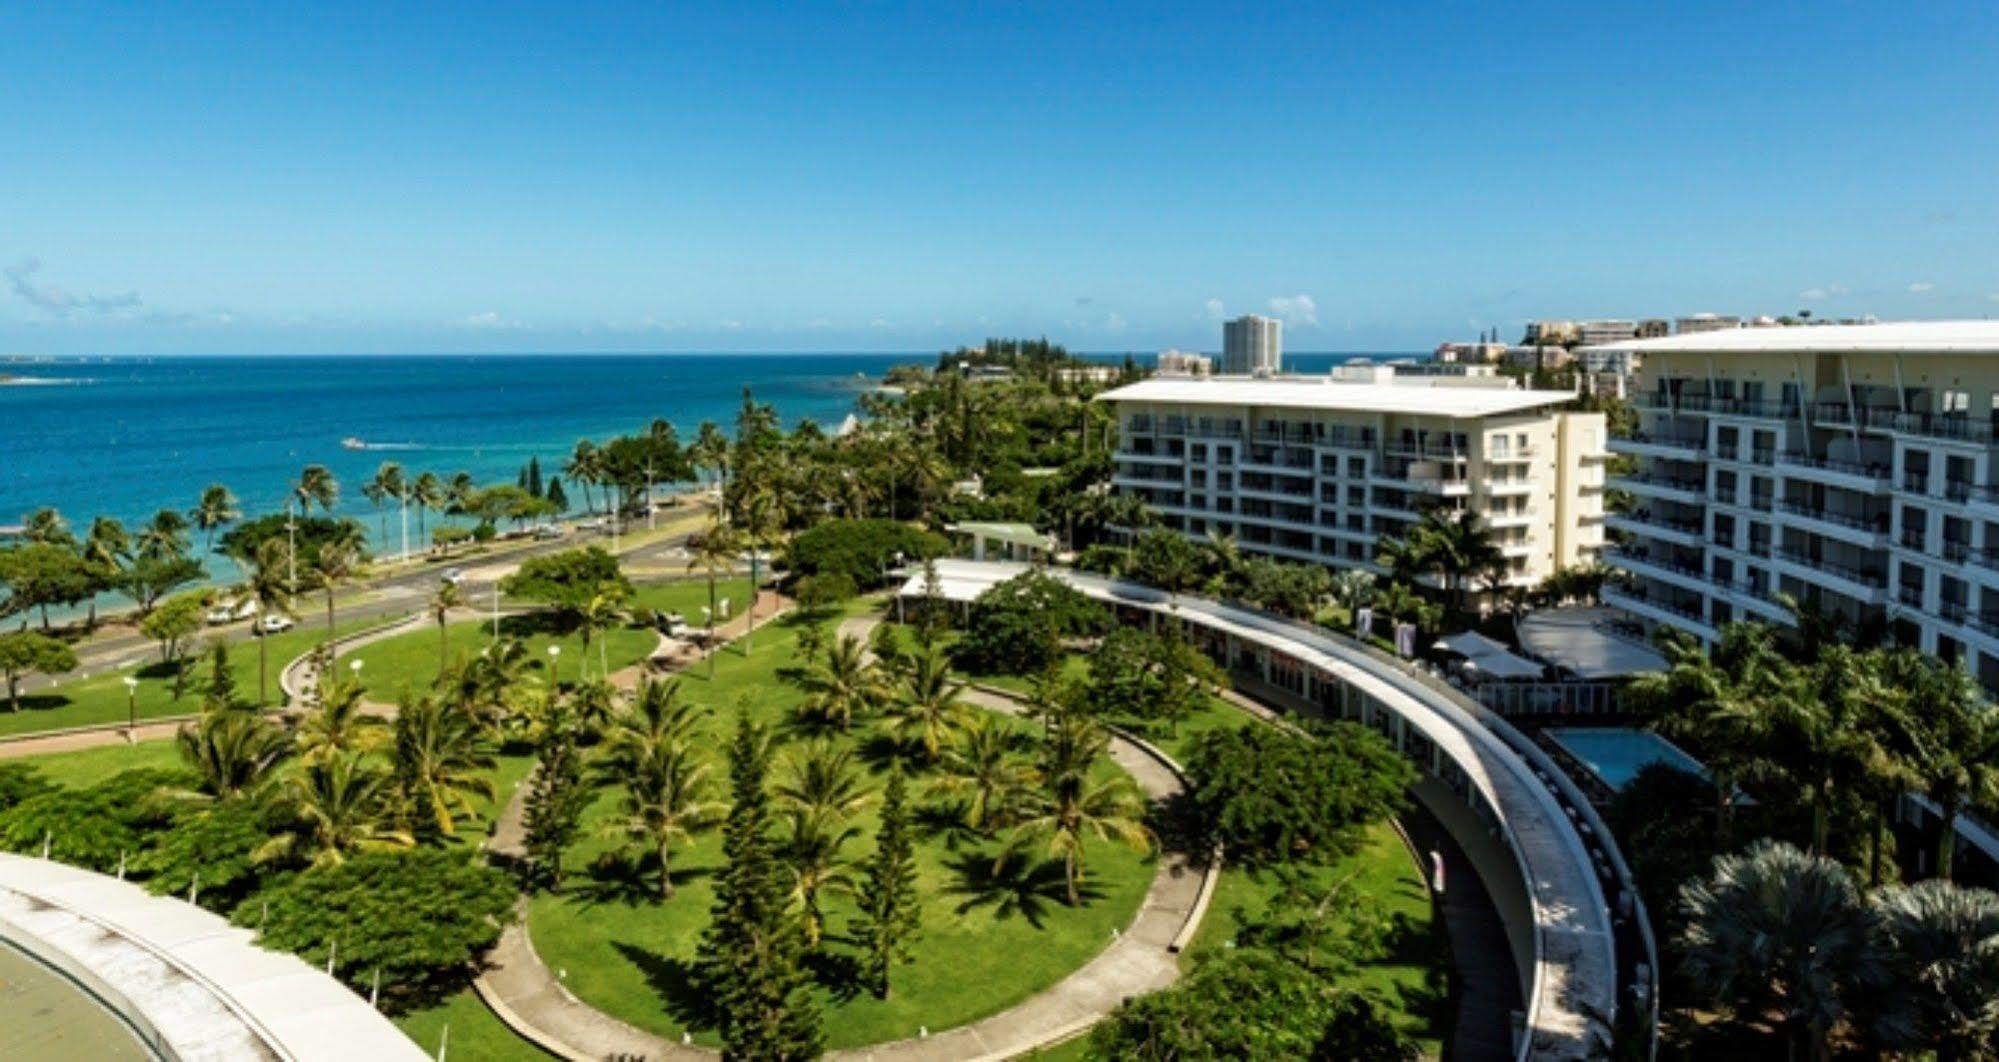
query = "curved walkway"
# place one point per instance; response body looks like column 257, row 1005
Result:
column 531, row 999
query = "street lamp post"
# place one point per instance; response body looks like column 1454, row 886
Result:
column 555, row 666
column 131, row 708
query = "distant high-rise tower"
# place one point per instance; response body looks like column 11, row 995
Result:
column 1253, row 346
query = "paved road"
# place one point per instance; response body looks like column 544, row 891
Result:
column 120, row 647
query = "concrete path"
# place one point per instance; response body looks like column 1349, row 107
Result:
column 529, row 997
column 1485, row 987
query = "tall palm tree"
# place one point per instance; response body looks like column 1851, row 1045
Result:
column 842, row 687
column 333, row 563
column 1458, row 546
column 711, row 451
column 232, row 753
column 428, row 493
column 316, row 486
column 216, row 509
column 1943, row 945
column 714, row 555
column 584, row 467
column 164, row 536
column 269, row 584
column 984, row 766
column 105, row 550
column 1717, row 701
column 649, row 751
column 391, row 485
column 1072, row 808
column 335, row 723
column 1821, row 721
column 443, row 599
column 824, row 780
column 603, row 612
column 1958, row 748
column 339, row 807
column 928, row 707
column 762, row 522
column 442, row 766
column 1774, row 930
column 811, row 851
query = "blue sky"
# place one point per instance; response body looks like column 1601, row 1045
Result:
column 204, row 178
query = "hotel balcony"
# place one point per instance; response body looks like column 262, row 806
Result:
column 1937, row 427
column 1866, row 587
column 1658, row 610
column 1647, row 524
column 1743, row 408
column 1510, row 487
column 1868, row 532
column 1681, row 448
column 1671, row 488
column 1870, row 478
column 1640, row 562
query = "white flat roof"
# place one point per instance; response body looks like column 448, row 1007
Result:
column 1921, row 337
column 1417, row 396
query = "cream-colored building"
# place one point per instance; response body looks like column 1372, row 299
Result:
column 1850, row 466
column 1320, row 468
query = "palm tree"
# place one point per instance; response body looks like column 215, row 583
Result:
column 1717, row 702
column 812, row 853
column 390, row 485
column 1822, row 734
column 429, row 494
column 604, row 611
column 269, row 585
column 928, row 707
column 339, row 807
column 443, row 769
column 762, row 521
column 1943, row 945
column 316, row 486
column 335, row 723
column 711, row 451
column 1458, row 546
column 842, row 687
column 714, row 555
column 164, row 536
column 216, row 509
column 232, row 753
column 1072, row 809
column 335, row 562
column 825, row 781
column 1958, row 748
column 649, row 751
column 106, row 549
column 1777, row 931
column 584, row 467
column 984, row 766
column 443, row 599
column 1224, row 560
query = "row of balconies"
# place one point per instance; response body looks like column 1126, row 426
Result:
column 1947, row 427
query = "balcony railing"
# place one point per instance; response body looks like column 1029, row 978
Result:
column 1916, row 482
column 1953, row 426
column 1870, row 470
column 1651, row 479
column 1673, row 442
column 1685, row 527
column 1874, row 580
column 1875, row 525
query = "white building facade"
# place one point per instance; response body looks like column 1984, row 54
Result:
column 1317, row 469
column 1850, row 467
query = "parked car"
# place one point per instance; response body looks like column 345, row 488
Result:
column 232, row 612
column 550, row 531
column 275, row 623
column 454, row 576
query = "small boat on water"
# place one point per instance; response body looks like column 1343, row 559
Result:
column 353, row 443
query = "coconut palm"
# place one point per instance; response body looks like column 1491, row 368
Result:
column 715, row 555
column 164, row 537
column 604, row 611
column 335, row 722
column 1957, row 740
column 1072, row 808
column 338, row 807
column 842, row 687
column 927, row 708
column 1716, row 700
column 447, row 596
column 584, row 467
column 1943, row 945
column 811, row 851
column 824, row 780
column 442, row 766
column 332, row 565
column 216, row 509
column 47, row 527
column 108, row 545
column 268, row 583
column 232, row 753
column 1776, row 932
column 390, row 486
column 762, row 521
column 649, row 752
column 316, row 486
column 985, row 767
column 1457, row 546
column 1820, row 723
column 429, row 494
column 710, row 451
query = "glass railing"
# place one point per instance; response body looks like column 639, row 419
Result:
column 1873, row 580
column 1877, row 525
column 1870, row 470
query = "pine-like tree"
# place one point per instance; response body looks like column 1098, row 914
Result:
column 887, row 897
column 555, row 803
column 752, row 954
column 221, row 692
column 534, row 476
column 557, row 496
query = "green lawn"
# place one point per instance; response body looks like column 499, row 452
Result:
column 101, row 697
column 475, row 1033
column 984, row 946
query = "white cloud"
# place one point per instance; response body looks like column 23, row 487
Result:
column 489, row 321
column 58, row 301
column 1994, row 297
column 1296, row 309
column 1830, row 291
column 1921, row 286
column 1214, row 309
column 1114, row 322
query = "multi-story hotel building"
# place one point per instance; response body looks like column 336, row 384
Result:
column 1253, row 345
column 1320, row 468
column 1849, row 466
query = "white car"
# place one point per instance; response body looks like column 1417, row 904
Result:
column 454, row 576
column 275, row 623
column 550, row 531
column 231, row 613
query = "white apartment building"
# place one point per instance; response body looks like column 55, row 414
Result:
column 1181, row 363
column 1705, row 322
column 1852, row 466
column 1319, row 469
column 1593, row 333
column 1253, row 346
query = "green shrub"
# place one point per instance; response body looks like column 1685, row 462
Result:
column 861, row 550
column 1275, row 795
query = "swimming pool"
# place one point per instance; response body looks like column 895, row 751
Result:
column 1617, row 754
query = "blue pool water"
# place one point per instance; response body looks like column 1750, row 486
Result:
column 1617, row 754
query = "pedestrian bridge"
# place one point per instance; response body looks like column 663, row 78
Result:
column 1573, row 920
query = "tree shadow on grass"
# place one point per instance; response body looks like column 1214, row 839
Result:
column 540, row 621
column 943, row 823
column 35, row 702
column 1022, row 888
column 1176, row 824
column 612, row 878
column 838, row 972
column 678, row 984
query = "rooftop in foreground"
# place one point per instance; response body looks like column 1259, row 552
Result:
column 1893, row 337
column 1416, row 397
